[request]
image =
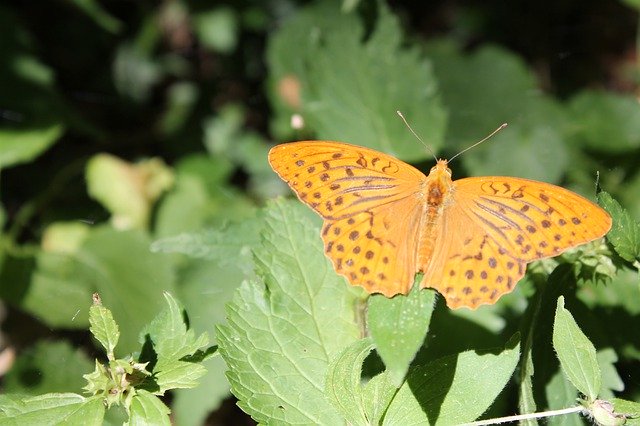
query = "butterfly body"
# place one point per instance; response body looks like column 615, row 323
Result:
column 384, row 221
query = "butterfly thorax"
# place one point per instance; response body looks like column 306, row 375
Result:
column 437, row 191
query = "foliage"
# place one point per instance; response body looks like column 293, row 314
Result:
column 133, row 159
column 169, row 359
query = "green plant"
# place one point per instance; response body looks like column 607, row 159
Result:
column 133, row 153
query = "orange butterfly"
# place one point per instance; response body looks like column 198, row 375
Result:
column 472, row 238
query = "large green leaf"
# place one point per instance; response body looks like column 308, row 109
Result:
column 284, row 330
column 352, row 83
column 455, row 389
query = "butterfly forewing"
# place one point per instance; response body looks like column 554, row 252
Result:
column 531, row 220
column 371, row 207
column 338, row 180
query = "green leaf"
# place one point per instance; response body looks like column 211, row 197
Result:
column 191, row 406
column 217, row 28
column 147, row 409
column 606, row 121
column 58, row 293
column 398, row 327
column 625, row 232
column 104, row 328
column 453, row 390
column 342, row 386
column 611, row 380
column 24, row 144
column 358, row 404
column 352, row 83
column 48, row 367
column 576, row 353
column 376, row 397
column 129, row 278
column 127, row 190
column 284, row 330
column 629, row 408
column 52, row 408
column 173, row 343
column 100, row 16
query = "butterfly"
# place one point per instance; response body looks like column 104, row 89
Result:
column 385, row 220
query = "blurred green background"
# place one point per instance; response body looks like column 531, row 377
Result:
column 134, row 135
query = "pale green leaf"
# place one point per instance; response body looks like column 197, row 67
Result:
column 343, row 383
column 611, row 380
column 24, row 144
column 398, row 327
column 52, row 408
column 284, row 330
column 455, row 389
column 629, row 408
column 576, row 353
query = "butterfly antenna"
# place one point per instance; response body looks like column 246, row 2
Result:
column 479, row 142
column 416, row 135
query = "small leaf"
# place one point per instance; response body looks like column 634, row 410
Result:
column 398, row 327
column 23, row 145
column 576, row 353
column 625, row 232
column 343, row 383
column 454, row 389
column 104, row 328
column 147, row 409
column 173, row 345
column 49, row 409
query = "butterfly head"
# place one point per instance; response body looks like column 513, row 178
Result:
column 441, row 169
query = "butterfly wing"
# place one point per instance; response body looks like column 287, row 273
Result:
column 371, row 206
column 494, row 226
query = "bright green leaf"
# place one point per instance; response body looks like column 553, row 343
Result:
column 104, row 328
column 147, row 409
column 398, row 327
column 576, row 353
column 455, row 389
column 284, row 330
column 22, row 145
column 625, row 232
